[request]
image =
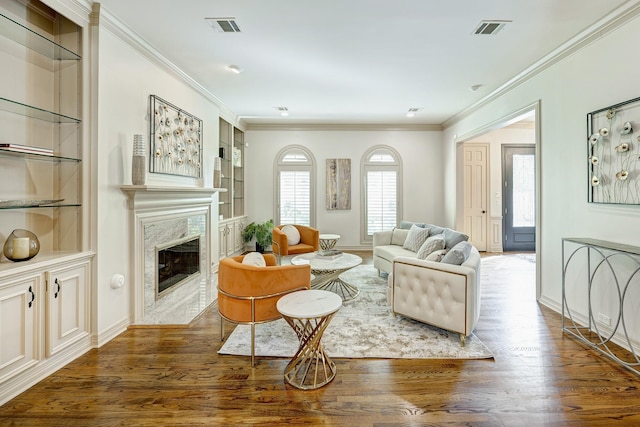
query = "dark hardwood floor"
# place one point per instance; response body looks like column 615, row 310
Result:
column 173, row 376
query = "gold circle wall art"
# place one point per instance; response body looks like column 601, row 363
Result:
column 176, row 140
column 613, row 154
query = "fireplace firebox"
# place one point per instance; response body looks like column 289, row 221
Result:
column 176, row 262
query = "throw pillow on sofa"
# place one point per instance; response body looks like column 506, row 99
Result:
column 453, row 237
column 436, row 256
column 432, row 244
column 398, row 236
column 415, row 238
column 293, row 235
column 458, row 254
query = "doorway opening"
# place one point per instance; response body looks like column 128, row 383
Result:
column 522, row 227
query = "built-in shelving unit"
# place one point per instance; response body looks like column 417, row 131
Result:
column 231, row 203
column 48, row 117
column 46, row 298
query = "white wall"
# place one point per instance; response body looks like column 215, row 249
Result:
column 126, row 79
column 592, row 78
column 421, row 153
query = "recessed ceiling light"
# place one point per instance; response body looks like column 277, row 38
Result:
column 235, row 69
column 412, row 111
column 284, row 111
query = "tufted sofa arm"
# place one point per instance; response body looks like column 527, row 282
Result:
column 443, row 295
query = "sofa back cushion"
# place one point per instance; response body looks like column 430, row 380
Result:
column 416, row 237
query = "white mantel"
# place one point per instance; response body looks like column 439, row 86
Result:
column 154, row 210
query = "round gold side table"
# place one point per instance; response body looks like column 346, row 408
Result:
column 309, row 313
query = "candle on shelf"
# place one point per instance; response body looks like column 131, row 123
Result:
column 21, row 248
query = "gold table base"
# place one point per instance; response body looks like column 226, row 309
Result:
column 311, row 367
column 329, row 280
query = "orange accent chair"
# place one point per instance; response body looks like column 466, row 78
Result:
column 248, row 294
column 309, row 241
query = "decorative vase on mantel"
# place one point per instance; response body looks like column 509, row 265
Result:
column 21, row 245
column 139, row 161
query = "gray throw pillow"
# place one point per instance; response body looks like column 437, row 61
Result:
column 458, row 254
column 453, row 237
column 432, row 244
column 435, row 229
column 415, row 238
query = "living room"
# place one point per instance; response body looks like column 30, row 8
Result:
column 590, row 71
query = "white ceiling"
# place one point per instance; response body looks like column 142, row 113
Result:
column 355, row 61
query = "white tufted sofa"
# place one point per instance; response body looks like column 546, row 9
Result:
column 443, row 295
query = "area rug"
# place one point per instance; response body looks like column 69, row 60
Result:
column 363, row 328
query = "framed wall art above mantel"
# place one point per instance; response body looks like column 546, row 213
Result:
column 176, row 140
column 613, row 146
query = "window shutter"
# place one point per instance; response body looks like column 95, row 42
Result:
column 382, row 201
column 295, row 197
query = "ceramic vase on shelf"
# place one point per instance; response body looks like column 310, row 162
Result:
column 217, row 172
column 139, row 161
column 21, row 245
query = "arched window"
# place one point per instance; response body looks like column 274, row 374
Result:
column 381, row 191
column 295, row 186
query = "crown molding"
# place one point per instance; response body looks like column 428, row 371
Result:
column 308, row 127
column 111, row 23
column 607, row 24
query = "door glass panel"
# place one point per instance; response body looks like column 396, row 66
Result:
column 524, row 190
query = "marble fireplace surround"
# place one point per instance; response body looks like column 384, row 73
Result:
column 159, row 215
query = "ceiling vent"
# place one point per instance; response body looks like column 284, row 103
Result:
column 224, row 25
column 490, row 28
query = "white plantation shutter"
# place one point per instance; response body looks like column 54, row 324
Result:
column 382, row 191
column 295, row 197
column 382, row 200
column 295, row 187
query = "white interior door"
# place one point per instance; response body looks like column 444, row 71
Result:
column 476, row 167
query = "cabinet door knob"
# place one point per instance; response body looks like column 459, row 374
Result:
column 55, row 295
column 33, row 296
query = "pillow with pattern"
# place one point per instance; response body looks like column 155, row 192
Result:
column 415, row 238
column 432, row 244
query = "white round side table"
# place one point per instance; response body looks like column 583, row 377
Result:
column 309, row 313
column 328, row 241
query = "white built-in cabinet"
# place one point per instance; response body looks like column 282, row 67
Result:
column 45, row 302
column 230, row 237
column 44, row 319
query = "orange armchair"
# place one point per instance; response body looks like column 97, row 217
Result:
column 309, row 241
column 248, row 294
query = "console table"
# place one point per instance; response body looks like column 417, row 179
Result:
column 619, row 266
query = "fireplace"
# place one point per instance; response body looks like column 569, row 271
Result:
column 171, row 266
column 176, row 262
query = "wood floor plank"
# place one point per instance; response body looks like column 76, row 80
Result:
column 174, row 376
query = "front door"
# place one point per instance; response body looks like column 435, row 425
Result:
column 519, row 220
